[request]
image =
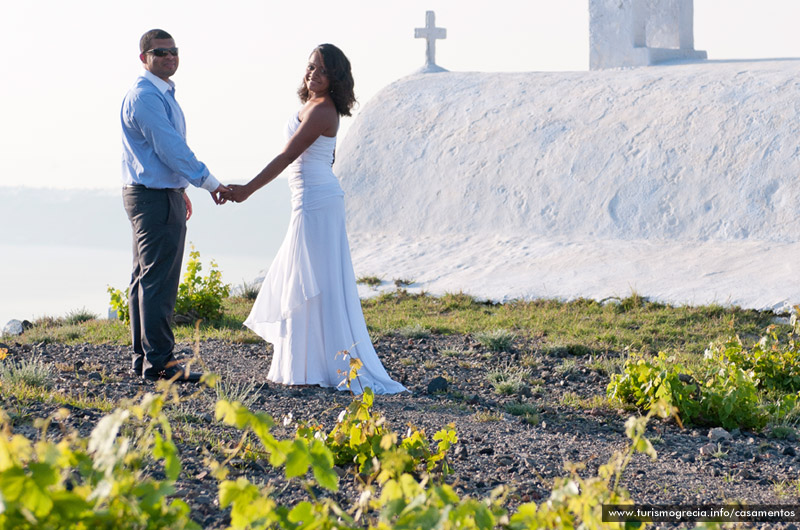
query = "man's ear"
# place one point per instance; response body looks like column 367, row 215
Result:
column 143, row 58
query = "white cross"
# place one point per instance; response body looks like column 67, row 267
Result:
column 430, row 33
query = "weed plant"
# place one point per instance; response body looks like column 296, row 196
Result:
column 485, row 416
column 497, row 340
column 244, row 392
column 248, row 290
column 33, row 372
column 80, row 316
column 508, row 379
column 372, row 281
column 415, row 331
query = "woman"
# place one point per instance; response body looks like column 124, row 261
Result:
column 308, row 307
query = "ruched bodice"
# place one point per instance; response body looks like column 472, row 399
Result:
column 313, row 168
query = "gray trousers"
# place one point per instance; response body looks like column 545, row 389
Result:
column 158, row 222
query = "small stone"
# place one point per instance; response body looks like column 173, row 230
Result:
column 708, row 449
column 746, row 474
column 788, row 451
column 486, row 451
column 504, row 460
column 94, row 376
column 437, row 384
column 203, row 500
column 717, row 434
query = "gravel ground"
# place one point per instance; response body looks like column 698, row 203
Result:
column 494, row 447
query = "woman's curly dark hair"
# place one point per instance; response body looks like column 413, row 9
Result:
column 340, row 77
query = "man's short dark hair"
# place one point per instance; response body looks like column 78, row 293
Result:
column 147, row 38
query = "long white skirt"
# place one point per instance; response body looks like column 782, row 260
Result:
column 309, row 308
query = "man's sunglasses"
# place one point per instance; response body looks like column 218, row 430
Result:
column 162, row 52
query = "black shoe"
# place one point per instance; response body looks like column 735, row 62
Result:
column 177, row 372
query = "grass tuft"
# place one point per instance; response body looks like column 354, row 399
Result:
column 414, row 332
column 372, row 281
column 33, row 372
column 245, row 392
column 248, row 290
column 508, row 379
column 498, row 340
column 79, row 316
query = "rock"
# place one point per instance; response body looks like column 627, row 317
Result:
column 437, row 384
column 788, row 451
column 13, row 328
column 486, row 451
column 708, row 449
column 717, row 434
column 203, row 500
column 94, row 376
column 504, row 460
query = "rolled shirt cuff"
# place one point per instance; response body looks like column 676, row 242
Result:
column 211, row 183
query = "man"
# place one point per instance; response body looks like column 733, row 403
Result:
column 157, row 165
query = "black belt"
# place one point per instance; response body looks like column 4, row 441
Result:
column 143, row 187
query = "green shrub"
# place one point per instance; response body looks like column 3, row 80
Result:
column 198, row 297
column 119, row 303
column 201, row 297
column 723, row 394
column 96, row 483
column 774, row 363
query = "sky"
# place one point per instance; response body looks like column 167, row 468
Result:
column 67, row 66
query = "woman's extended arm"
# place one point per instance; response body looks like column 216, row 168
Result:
column 318, row 119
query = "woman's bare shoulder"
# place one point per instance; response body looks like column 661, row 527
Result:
column 322, row 113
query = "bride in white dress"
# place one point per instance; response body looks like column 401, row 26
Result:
column 308, row 306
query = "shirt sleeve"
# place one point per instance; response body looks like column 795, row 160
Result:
column 150, row 116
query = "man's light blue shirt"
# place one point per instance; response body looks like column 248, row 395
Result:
column 154, row 150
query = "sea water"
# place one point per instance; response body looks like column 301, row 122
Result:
column 61, row 249
column 54, row 280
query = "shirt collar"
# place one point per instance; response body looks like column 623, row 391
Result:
column 161, row 85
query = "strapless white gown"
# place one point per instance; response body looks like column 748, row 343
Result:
column 308, row 306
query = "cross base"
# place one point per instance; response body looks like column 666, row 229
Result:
column 431, row 69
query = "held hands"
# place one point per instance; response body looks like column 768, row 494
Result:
column 235, row 193
column 217, row 194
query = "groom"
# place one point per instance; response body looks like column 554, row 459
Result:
column 157, row 165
